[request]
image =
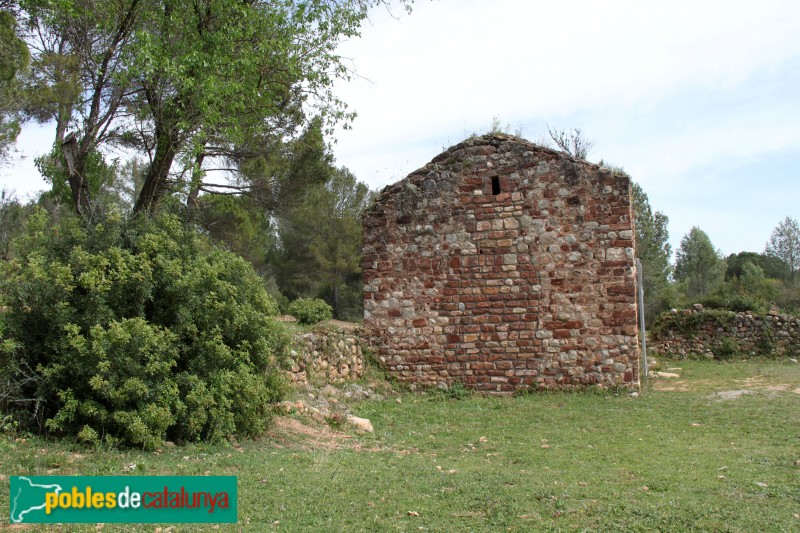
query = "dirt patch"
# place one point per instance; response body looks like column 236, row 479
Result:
column 671, row 387
column 760, row 383
column 731, row 394
column 294, row 433
column 750, row 385
column 751, row 382
column 783, row 388
column 743, row 386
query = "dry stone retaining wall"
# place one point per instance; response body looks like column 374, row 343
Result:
column 701, row 332
column 503, row 265
column 332, row 356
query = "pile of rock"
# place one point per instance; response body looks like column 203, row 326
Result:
column 328, row 355
column 331, row 405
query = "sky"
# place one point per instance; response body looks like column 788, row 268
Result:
column 698, row 101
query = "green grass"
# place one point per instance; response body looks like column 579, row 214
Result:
column 670, row 460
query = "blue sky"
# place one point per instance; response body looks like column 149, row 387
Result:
column 699, row 101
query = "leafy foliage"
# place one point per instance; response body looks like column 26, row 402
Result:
column 12, row 213
column 772, row 266
column 455, row 391
column 131, row 334
column 733, row 302
column 765, row 346
column 190, row 84
column 728, row 348
column 748, row 291
column 310, row 310
column 698, row 265
column 317, row 251
column 104, row 181
column 279, row 181
column 688, row 323
column 236, row 223
column 15, row 60
column 653, row 249
column 784, row 244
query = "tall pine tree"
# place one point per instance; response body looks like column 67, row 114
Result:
column 698, row 265
column 653, row 249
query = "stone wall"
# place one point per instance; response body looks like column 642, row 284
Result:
column 503, row 265
column 328, row 355
column 703, row 332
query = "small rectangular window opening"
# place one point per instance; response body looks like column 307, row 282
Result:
column 495, row 185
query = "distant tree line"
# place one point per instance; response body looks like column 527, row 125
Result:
column 700, row 274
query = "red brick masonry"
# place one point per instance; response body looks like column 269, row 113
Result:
column 503, row 265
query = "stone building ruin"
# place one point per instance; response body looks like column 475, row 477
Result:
column 503, row 265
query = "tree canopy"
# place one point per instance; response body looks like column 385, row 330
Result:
column 772, row 266
column 654, row 250
column 698, row 264
column 317, row 250
column 192, row 85
column 784, row 244
column 15, row 60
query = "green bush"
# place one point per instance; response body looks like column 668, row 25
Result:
column 457, row 391
column 737, row 303
column 765, row 346
column 135, row 333
column 310, row 310
column 728, row 348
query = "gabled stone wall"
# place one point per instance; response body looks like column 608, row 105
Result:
column 503, row 265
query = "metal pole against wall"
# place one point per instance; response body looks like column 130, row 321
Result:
column 641, row 314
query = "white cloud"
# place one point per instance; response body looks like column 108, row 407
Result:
column 452, row 65
column 681, row 93
column 666, row 90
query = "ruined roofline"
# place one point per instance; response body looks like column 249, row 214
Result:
column 415, row 178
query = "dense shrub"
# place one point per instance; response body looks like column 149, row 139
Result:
column 135, row 333
column 310, row 310
column 728, row 348
column 765, row 346
column 737, row 303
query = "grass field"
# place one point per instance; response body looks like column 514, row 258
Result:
column 716, row 450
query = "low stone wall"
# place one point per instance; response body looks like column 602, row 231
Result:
column 720, row 334
column 330, row 355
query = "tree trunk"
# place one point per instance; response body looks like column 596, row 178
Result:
column 336, row 299
column 75, row 161
column 197, row 182
column 155, row 182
